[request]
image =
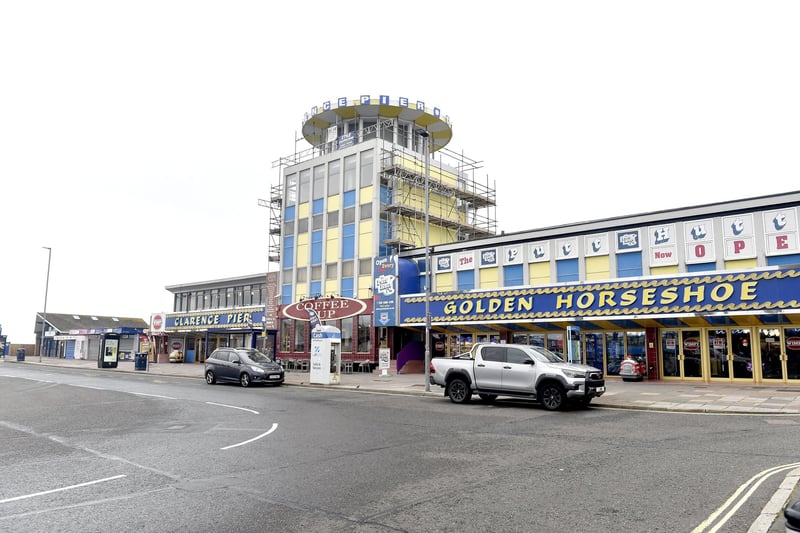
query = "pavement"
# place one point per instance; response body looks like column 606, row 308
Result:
column 668, row 396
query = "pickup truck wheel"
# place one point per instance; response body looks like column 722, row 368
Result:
column 488, row 398
column 458, row 391
column 552, row 397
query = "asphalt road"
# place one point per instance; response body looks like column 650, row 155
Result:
column 91, row 451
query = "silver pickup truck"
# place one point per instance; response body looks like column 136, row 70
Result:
column 517, row 370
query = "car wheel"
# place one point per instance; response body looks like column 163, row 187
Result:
column 551, row 395
column 458, row 391
column 488, row 398
column 244, row 379
column 210, row 377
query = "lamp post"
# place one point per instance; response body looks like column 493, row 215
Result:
column 46, row 289
column 426, row 148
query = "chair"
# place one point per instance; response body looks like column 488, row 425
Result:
column 303, row 363
column 289, row 365
column 364, row 366
column 347, row 367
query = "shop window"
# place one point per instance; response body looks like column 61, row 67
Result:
column 364, row 331
column 286, row 336
column 300, row 335
column 347, row 335
column 615, row 352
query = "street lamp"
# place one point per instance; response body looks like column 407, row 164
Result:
column 426, row 148
column 46, row 289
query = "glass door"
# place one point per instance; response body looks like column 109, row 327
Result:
column 690, row 353
column 718, row 354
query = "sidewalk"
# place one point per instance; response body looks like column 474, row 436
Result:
column 656, row 395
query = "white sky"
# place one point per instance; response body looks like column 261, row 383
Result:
column 137, row 137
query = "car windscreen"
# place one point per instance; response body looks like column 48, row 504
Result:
column 257, row 357
column 543, row 354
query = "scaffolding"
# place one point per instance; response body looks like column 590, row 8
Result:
column 459, row 207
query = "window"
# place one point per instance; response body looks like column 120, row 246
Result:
column 214, row 299
column 370, row 129
column 302, row 225
column 316, row 275
column 302, row 275
column 230, row 298
column 365, row 211
column 347, row 268
column 367, row 159
column 495, row 354
column 334, row 175
column 350, row 173
column 364, row 267
column 317, row 221
column 333, row 219
column 247, row 295
column 629, row 265
column 331, row 270
column 304, row 188
column 349, row 215
column 319, row 182
column 402, row 135
column 291, row 189
column 288, row 227
column 364, row 330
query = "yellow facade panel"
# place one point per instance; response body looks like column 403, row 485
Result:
column 489, row 277
column 332, row 246
column 539, row 273
column 741, row 264
column 365, row 239
column 364, row 286
column 302, row 255
column 598, row 267
column 444, row 282
column 303, row 210
column 657, row 271
column 334, row 202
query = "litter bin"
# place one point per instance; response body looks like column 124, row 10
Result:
column 20, row 354
column 140, row 361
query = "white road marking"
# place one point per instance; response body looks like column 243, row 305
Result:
column 234, row 407
column 62, row 489
column 273, row 428
column 756, row 482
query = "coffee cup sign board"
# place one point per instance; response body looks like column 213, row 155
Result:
column 383, row 358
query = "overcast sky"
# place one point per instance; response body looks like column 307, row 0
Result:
column 137, row 137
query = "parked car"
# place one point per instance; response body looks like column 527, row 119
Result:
column 176, row 356
column 245, row 365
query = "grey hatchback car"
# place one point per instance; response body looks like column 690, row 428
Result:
column 245, row 365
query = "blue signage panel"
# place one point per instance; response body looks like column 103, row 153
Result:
column 385, row 291
column 756, row 290
column 232, row 318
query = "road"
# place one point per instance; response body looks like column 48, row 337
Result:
column 91, row 451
